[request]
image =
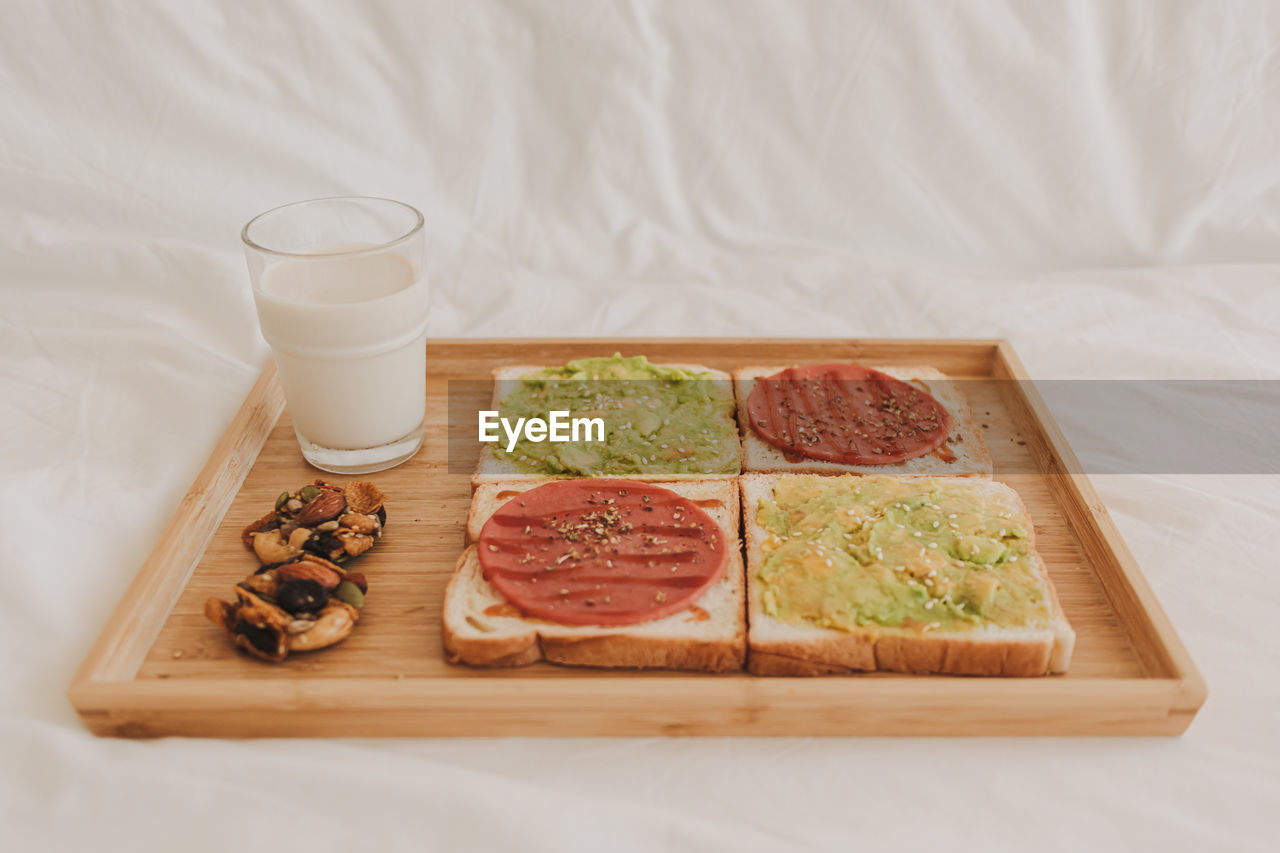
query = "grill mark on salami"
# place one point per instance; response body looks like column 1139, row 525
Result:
column 846, row 413
column 603, row 552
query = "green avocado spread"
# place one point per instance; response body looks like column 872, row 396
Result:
column 661, row 420
column 851, row 553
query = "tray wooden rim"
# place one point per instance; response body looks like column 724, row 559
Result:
column 111, row 700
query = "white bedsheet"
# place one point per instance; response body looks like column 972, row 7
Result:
column 1099, row 182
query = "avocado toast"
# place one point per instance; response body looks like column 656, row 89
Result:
column 921, row 575
column 662, row 421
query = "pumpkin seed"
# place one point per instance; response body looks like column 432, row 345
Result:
column 308, row 493
column 282, row 500
column 349, row 593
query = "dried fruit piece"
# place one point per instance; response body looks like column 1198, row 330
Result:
column 261, row 524
column 324, row 507
column 302, row 596
column 354, row 544
column 357, row 578
column 258, row 627
column 357, row 522
column 219, row 612
column 363, row 497
column 263, row 583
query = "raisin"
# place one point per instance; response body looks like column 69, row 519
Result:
column 324, row 545
column 262, row 639
column 382, row 516
column 302, row 596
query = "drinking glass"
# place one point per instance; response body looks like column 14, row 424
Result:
column 342, row 300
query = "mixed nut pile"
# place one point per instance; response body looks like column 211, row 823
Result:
column 300, row 599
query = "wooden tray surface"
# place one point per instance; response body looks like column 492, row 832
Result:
column 160, row 668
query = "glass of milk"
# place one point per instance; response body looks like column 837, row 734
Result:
column 342, row 300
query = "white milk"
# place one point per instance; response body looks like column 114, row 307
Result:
column 349, row 337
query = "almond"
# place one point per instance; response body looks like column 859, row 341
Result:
column 309, row 570
column 327, row 506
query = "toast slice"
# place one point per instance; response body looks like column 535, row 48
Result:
column 964, row 443
column 482, row 628
column 777, row 647
column 492, row 467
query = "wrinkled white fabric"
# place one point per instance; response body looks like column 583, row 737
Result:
column 1097, row 182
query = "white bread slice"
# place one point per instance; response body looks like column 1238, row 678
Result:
column 965, row 440
column 492, row 468
column 482, row 629
column 776, row 647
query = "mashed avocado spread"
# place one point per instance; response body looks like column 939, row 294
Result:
column 657, row 419
column 852, row 552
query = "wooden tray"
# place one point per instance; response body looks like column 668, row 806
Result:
column 160, row 669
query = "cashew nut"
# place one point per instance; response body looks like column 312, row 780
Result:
column 333, row 625
column 271, row 546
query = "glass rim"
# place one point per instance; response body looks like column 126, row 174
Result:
column 258, row 247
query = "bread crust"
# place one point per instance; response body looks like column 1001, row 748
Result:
column 777, row 648
column 679, row 641
column 965, row 441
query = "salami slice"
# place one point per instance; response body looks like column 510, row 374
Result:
column 601, row 552
column 846, row 413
